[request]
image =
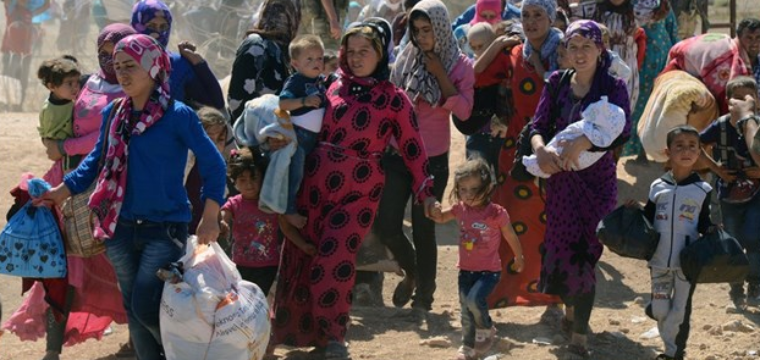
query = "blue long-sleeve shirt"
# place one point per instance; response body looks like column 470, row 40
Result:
column 194, row 82
column 156, row 167
column 510, row 12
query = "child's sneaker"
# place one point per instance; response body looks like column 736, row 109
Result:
column 664, row 357
column 484, row 339
column 466, row 353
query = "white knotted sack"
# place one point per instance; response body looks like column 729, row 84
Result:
column 213, row 313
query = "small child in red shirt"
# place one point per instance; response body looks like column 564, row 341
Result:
column 256, row 240
column 482, row 224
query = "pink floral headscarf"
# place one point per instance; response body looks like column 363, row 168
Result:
column 485, row 5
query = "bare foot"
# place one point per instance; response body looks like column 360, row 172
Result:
column 296, row 220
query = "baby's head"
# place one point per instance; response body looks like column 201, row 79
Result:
column 331, row 63
column 61, row 77
column 307, row 55
column 479, row 37
column 215, row 124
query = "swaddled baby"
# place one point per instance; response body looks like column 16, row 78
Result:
column 601, row 122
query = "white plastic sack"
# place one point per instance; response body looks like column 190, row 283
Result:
column 213, row 313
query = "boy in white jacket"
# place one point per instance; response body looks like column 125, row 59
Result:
column 679, row 209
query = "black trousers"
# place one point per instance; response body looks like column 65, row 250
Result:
column 420, row 260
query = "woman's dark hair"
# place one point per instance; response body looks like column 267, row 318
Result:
column 55, row 71
column 751, row 24
column 417, row 15
column 626, row 9
column 242, row 160
column 562, row 16
column 409, row 4
column 474, row 167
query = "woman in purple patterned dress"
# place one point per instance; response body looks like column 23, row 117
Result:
column 576, row 200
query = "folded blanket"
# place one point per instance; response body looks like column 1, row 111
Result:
column 677, row 99
column 260, row 120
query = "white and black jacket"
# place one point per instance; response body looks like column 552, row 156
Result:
column 679, row 212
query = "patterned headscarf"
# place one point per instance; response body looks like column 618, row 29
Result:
column 589, row 29
column 108, row 196
column 111, row 33
column 409, row 72
column 485, row 5
column 278, row 20
column 379, row 32
column 144, row 11
column 550, row 6
column 548, row 51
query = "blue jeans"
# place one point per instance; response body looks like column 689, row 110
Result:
column 743, row 222
column 307, row 140
column 486, row 147
column 137, row 250
column 474, row 288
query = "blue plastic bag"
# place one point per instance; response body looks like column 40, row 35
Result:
column 31, row 244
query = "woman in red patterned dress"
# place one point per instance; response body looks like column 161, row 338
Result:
column 342, row 185
column 525, row 69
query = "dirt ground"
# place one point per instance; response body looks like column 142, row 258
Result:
column 618, row 320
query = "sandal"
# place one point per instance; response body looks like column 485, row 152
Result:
column 336, row 351
column 579, row 350
column 466, row 353
column 127, row 350
column 566, row 326
column 403, row 292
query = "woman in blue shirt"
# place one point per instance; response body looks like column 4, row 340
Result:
column 192, row 81
column 143, row 213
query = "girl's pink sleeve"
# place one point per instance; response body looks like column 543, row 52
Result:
column 411, row 146
column 81, row 145
column 463, row 77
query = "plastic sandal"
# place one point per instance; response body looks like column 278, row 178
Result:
column 403, row 292
column 579, row 350
column 336, row 351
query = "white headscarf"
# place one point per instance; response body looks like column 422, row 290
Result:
column 409, row 72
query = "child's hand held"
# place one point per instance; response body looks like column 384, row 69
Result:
column 519, row 264
column 309, row 249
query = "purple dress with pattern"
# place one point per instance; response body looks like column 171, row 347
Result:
column 577, row 200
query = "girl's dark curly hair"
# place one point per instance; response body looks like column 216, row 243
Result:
column 242, row 160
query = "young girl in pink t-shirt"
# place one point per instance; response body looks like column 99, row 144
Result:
column 482, row 224
column 256, row 240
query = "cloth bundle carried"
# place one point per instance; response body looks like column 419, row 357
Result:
column 677, row 99
column 209, row 312
column 601, row 122
column 716, row 257
column 628, row 233
column 262, row 119
column 31, row 244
